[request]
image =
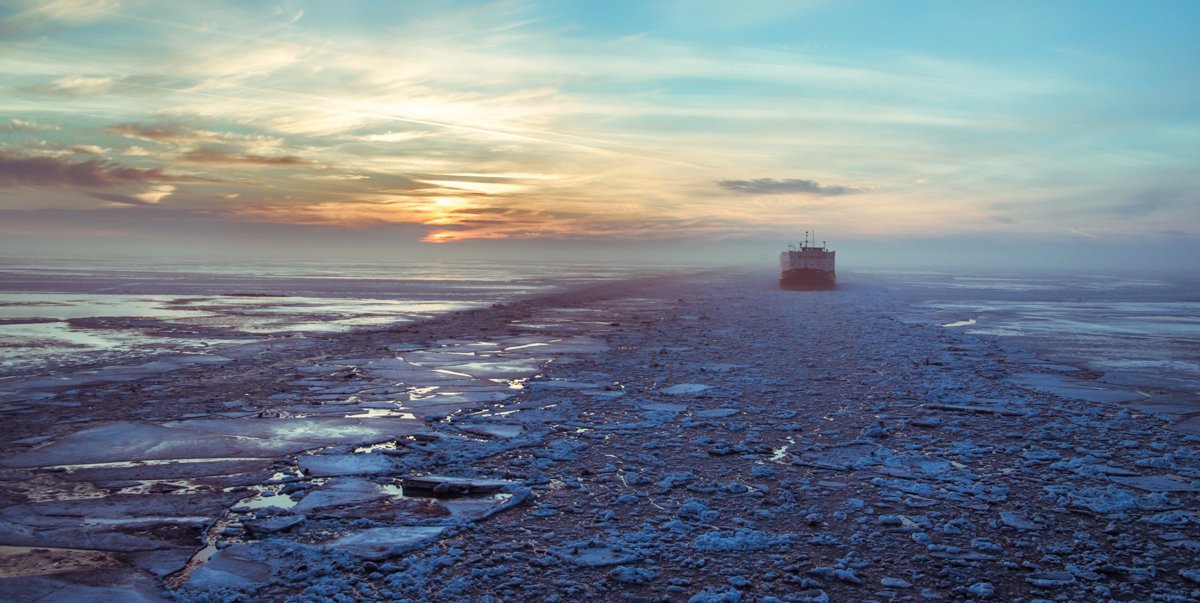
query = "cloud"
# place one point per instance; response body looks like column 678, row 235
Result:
column 216, row 155
column 181, row 134
column 335, row 177
column 391, row 136
column 20, row 125
column 79, row 86
column 541, row 225
column 168, row 132
column 452, row 220
column 150, row 197
column 55, row 14
column 17, row 170
column 156, row 193
column 50, row 148
column 449, row 93
column 771, row 186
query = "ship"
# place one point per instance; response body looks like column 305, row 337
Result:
column 807, row 267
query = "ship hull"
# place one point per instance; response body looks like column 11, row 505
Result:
column 807, row 279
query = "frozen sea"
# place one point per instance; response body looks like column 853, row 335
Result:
column 59, row 314
column 1141, row 331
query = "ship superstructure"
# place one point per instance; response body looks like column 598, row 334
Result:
column 807, row 267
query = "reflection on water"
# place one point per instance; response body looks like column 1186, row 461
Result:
column 267, row 499
column 1136, row 330
column 36, row 326
column 55, row 314
column 60, row 306
column 960, row 323
column 375, row 413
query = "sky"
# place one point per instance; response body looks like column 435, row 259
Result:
column 1027, row 132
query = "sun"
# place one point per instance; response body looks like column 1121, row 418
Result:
column 440, row 236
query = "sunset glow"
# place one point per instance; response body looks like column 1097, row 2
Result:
column 626, row 120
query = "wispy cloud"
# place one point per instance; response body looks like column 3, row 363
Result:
column 52, row 14
column 180, row 134
column 391, row 136
column 17, row 170
column 771, row 186
column 167, row 132
column 226, row 157
column 151, row 196
column 509, row 119
column 20, row 125
column 80, row 86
